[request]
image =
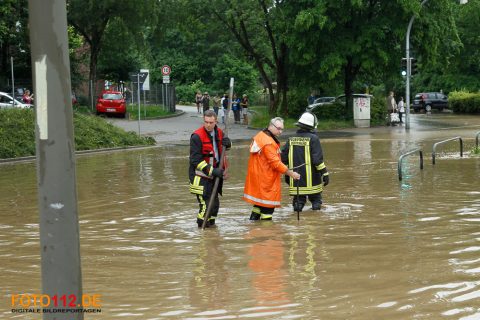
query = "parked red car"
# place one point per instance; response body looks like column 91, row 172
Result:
column 111, row 102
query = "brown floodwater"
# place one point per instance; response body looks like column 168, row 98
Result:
column 379, row 249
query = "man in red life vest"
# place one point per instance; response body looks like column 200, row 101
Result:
column 206, row 147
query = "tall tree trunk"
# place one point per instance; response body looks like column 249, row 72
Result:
column 282, row 77
column 94, row 50
column 350, row 74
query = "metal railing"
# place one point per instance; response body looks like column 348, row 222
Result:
column 400, row 159
column 444, row 141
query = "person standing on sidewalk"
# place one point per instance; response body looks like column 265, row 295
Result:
column 401, row 109
column 206, row 102
column 198, row 101
column 236, row 108
column 304, row 152
column 391, row 107
column 206, row 147
column 216, row 103
column 265, row 168
column 244, row 105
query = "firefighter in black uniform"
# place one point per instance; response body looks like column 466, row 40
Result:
column 303, row 153
column 206, row 147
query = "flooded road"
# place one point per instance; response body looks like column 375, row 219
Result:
column 379, row 249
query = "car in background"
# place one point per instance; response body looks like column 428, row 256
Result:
column 340, row 99
column 6, row 101
column 320, row 101
column 324, row 99
column 111, row 102
column 429, row 100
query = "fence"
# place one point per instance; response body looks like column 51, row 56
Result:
column 159, row 94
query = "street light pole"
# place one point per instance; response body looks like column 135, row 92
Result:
column 13, row 83
column 409, row 70
column 409, row 66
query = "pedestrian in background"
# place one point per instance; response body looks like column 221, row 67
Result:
column 311, row 98
column 236, row 108
column 198, row 101
column 391, row 107
column 27, row 97
column 265, row 168
column 401, row 109
column 206, row 102
column 244, row 105
column 206, row 147
column 303, row 152
column 216, row 103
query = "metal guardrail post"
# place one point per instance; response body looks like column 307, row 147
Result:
column 400, row 159
column 476, row 139
column 447, row 140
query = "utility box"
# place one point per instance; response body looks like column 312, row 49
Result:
column 361, row 111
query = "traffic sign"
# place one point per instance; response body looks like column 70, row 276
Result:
column 166, row 70
column 166, row 79
column 134, row 76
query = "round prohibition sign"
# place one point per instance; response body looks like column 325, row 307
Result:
column 166, row 70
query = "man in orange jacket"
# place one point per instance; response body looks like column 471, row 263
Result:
column 265, row 167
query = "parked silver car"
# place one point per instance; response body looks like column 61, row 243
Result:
column 340, row 99
column 6, row 101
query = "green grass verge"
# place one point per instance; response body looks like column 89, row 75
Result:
column 17, row 133
column 147, row 112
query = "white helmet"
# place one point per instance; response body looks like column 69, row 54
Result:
column 307, row 120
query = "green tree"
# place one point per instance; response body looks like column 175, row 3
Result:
column 14, row 40
column 254, row 26
column 364, row 40
column 244, row 74
column 119, row 53
column 460, row 66
column 467, row 62
column 91, row 18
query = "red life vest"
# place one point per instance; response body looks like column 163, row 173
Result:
column 207, row 146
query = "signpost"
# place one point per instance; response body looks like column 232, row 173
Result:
column 166, row 80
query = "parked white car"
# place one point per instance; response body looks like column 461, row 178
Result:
column 6, row 101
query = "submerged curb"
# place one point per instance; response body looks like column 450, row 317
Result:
column 80, row 152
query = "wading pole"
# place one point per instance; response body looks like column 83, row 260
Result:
column 298, row 206
column 222, row 161
column 298, row 190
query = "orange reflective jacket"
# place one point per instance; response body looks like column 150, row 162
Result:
column 265, row 167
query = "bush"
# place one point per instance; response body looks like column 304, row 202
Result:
column 464, row 102
column 297, row 102
column 186, row 92
column 333, row 111
column 336, row 111
column 378, row 111
column 17, row 133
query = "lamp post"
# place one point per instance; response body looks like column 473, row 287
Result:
column 409, row 66
column 409, row 70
